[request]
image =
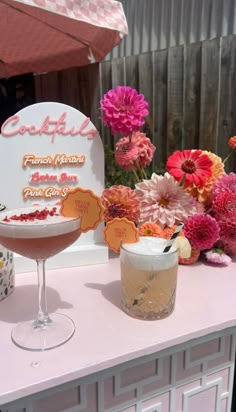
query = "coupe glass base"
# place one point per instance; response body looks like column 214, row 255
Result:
column 60, row 329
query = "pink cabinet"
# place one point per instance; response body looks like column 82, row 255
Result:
column 193, row 377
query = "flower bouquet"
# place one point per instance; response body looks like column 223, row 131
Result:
column 195, row 188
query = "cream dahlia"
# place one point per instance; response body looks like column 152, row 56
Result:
column 163, row 201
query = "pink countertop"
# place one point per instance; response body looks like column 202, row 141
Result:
column 105, row 336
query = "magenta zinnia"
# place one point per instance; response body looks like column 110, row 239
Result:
column 202, row 231
column 190, row 166
column 124, row 110
column 163, row 201
column 120, row 201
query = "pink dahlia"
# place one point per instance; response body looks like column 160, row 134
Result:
column 192, row 166
column 126, row 154
column 145, row 148
column 163, row 201
column 227, row 183
column 228, row 234
column 124, row 110
column 202, row 231
column 132, row 153
column 120, row 201
column 218, row 256
column 224, row 204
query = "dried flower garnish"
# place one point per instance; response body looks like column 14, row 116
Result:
column 32, row 216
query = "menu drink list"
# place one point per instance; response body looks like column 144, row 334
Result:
column 46, row 150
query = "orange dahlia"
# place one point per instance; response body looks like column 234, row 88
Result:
column 203, row 194
column 150, row 229
column 120, row 201
column 232, row 142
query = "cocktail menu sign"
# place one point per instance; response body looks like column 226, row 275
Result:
column 46, row 150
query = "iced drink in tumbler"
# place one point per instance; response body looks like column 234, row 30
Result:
column 148, row 278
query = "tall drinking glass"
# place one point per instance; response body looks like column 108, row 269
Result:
column 148, row 278
column 40, row 235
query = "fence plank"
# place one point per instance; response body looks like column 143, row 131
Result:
column 87, row 80
column 191, row 104
column 209, row 94
column 131, row 69
column 175, row 99
column 145, row 65
column 105, row 85
column 227, row 113
column 191, row 93
column 118, row 72
column 160, row 106
column 95, row 107
column 69, row 88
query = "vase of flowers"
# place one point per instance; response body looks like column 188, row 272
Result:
column 194, row 188
column 7, row 270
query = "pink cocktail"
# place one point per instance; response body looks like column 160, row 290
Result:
column 40, row 233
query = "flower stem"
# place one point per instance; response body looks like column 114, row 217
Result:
column 136, row 176
column 141, row 170
column 182, row 181
column 227, row 157
column 144, row 174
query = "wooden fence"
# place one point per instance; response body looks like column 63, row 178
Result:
column 191, row 92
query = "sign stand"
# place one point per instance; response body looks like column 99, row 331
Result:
column 46, row 150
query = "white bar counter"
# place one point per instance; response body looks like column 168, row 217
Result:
column 184, row 363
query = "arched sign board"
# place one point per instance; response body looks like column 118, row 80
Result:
column 45, row 150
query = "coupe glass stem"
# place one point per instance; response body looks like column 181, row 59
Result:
column 42, row 316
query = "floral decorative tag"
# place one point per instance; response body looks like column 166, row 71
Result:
column 120, row 230
column 83, row 203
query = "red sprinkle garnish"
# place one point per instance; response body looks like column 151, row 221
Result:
column 36, row 215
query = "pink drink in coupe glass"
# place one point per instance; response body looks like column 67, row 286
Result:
column 39, row 233
column 37, row 239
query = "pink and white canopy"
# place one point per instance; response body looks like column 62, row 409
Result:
column 48, row 35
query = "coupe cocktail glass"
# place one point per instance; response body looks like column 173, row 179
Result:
column 39, row 240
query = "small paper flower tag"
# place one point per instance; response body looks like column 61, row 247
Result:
column 84, row 203
column 120, row 229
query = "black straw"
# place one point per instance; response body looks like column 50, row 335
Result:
column 173, row 237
